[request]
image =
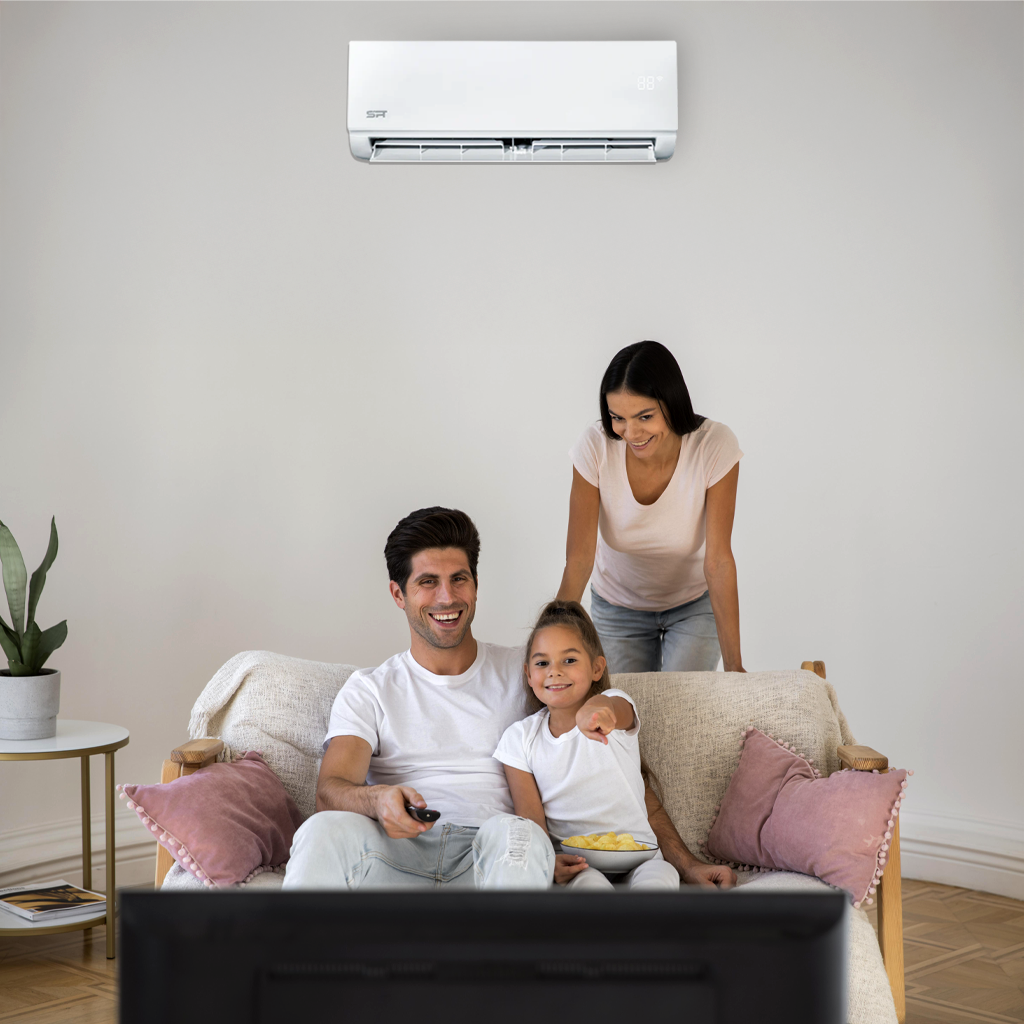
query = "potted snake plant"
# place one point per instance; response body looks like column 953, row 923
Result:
column 29, row 694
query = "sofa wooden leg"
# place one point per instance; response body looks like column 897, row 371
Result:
column 890, row 924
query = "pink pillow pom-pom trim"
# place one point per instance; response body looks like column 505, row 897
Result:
column 185, row 855
column 276, row 869
column 179, row 852
column 881, row 855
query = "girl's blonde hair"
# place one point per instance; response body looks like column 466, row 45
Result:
column 574, row 616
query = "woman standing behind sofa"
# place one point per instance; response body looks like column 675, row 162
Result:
column 650, row 515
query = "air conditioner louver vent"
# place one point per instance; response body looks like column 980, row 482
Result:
column 539, row 151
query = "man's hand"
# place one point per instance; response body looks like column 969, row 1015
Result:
column 568, row 866
column 389, row 808
column 709, row 876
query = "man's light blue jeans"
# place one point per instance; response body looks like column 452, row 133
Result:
column 342, row 850
column 679, row 640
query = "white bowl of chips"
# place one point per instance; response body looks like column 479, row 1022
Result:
column 609, row 852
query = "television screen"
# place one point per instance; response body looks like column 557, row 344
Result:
column 468, row 956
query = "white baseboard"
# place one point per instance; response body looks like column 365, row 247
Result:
column 978, row 854
column 54, row 851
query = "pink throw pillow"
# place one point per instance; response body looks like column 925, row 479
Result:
column 779, row 813
column 225, row 823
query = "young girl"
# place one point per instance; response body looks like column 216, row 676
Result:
column 574, row 766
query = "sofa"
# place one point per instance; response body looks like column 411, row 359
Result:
column 690, row 738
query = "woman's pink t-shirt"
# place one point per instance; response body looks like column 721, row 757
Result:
column 651, row 557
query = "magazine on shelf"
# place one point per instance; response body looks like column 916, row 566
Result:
column 51, row 900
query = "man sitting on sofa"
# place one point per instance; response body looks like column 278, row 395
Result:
column 428, row 720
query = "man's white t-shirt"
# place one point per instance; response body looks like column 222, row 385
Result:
column 586, row 786
column 651, row 557
column 437, row 733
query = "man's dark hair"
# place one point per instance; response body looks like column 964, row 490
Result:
column 435, row 527
column 649, row 369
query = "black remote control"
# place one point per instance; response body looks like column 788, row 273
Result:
column 423, row 814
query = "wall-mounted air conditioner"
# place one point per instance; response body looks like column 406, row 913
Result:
column 492, row 102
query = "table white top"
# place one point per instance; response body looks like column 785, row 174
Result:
column 72, row 735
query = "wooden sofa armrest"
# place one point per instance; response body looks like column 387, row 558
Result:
column 197, row 754
column 890, row 896
column 814, row 667
column 864, row 759
column 184, row 760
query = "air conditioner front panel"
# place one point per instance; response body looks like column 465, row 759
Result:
column 511, row 90
column 563, row 151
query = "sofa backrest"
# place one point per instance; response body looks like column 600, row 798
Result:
column 690, row 724
column 275, row 704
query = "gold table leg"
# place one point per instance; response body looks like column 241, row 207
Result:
column 111, row 853
column 86, row 825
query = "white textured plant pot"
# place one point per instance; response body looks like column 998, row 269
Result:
column 29, row 705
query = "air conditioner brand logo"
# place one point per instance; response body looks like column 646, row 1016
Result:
column 376, row 113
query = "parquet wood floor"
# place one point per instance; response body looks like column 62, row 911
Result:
column 61, row 978
column 964, row 954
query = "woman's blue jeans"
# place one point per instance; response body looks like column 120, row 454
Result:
column 683, row 639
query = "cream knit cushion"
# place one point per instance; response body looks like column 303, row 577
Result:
column 178, row 878
column 870, row 998
column 691, row 726
column 260, row 701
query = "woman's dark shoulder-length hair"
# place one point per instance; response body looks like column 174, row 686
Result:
column 648, row 368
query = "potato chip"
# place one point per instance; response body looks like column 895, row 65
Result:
column 606, row 842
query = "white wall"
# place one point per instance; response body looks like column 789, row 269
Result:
column 232, row 356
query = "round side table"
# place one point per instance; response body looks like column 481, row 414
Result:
column 75, row 738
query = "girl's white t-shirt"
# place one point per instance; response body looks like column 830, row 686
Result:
column 651, row 557
column 586, row 786
column 437, row 733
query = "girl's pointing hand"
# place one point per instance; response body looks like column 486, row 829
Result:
column 595, row 723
